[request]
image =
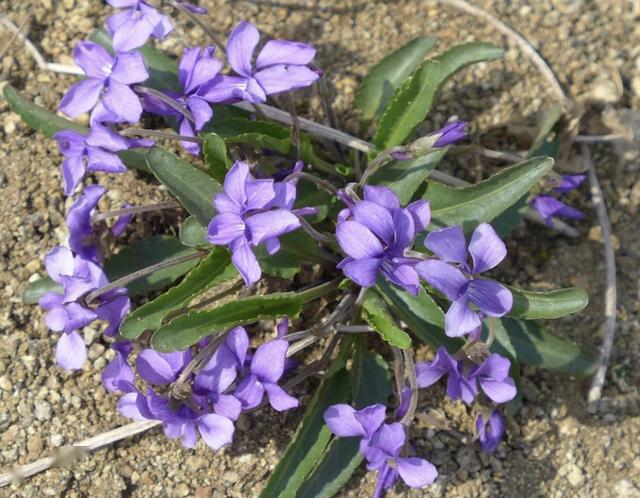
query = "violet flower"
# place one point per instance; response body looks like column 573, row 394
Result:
column 108, row 80
column 118, row 376
column 197, row 68
column 453, row 132
column 548, row 206
column 266, row 369
column 461, row 284
column 66, row 314
column 83, row 238
column 490, row 432
column 492, row 375
column 375, row 233
column 251, row 212
column 280, row 66
column 569, row 183
column 380, row 444
column 132, row 27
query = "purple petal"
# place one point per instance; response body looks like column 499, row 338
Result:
column 260, row 194
column 460, row 387
column 228, row 406
column 250, row 392
column 451, row 133
column 416, row 472
column 122, row 101
column 358, row 241
column 375, row 218
column 133, row 405
column 362, row 271
column 71, row 352
column 81, row 97
column 129, row 68
column 189, row 434
column 118, row 376
column 285, row 52
column 103, row 160
column 94, row 59
column 130, row 33
column 429, row 373
column 204, row 70
column 460, row 319
column 341, row 420
column 201, row 111
column 225, row 228
column 382, row 196
column 371, row 418
column 159, row 368
column 268, row 361
column 223, row 89
column 569, row 183
column 499, row 391
column 77, row 317
column 246, row 263
column 216, row 430
column 282, row 78
column 59, row 262
column 491, row 297
column 235, row 183
column 487, row 248
column 73, row 170
column 390, row 438
column 113, row 312
column 263, row 226
column 240, row 46
column 56, row 319
column 421, row 213
column 490, row 437
column 448, row 244
column 50, row 300
column 405, row 231
column 404, row 276
column 279, row 399
column 443, row 277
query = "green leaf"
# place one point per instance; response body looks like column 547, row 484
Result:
column 376, row 314
column 215, row 155
column 422, row 315
column 215, row 269
column 296, row 249
column 310, row 439
column 370, row 385
column 192, row 187
column 388, row 74
column 414, row 99
column 34, row 290
column 188, row 329
column 547, row 141
column 484, row 201
column 147, row 252
column 49, row 123
column 192, row 233
column 531, row 344
column 530, row 305
column 259, row 134
column 406, row 177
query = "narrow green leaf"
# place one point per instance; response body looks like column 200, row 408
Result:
column 406, row 177
column 259, row 134
column 49, row 123
column 423, row 316
column 215, row 155
column 34, row 290
column 188, row 329
column 371, row 384
column 376, row 314
column 547, row 141
column 388, row 74
column 484, row 201
column 147, row 252
column 310, row 439
column 192, row 187
column 531, row 344
column 414, row 99
column 192, row 233
column 530, row 305
column 296, row 249
column 210, row 272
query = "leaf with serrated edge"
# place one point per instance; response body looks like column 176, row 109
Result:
column 375, row 313
column 215, row 155
column 414, row 99
column 215, row 269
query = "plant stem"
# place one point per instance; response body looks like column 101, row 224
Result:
column 319, row 290
column 323, row 184
column 375, row 165
column 171, row 102
column 410, row 371
column 295, row 125
column 319, row 236
column 141, row 132
column 122, row 282
column 133, row 210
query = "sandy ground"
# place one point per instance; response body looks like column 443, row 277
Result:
column 554, row 447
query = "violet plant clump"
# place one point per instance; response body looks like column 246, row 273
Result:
column 273, row 219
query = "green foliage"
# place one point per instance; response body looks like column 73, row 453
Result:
column 376, row 314
column 215, row 155
column 215, row 269
column 468, row 206
column 414, row 99
column 192, row 233
column 147, row 252
column 530, row 305
column 388, row 74
column 34, row 290
column 192, row 187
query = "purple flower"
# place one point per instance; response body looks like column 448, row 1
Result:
column 462, row 381
column 569, row 183
column 490, row 432
column 197, row 68
column 251, row 212
column 108, row 80
column 266, row 369
column 461, row 285
column 118, row 376
column 77, row 277
column 380, row 444
column 548, row 206
column 83, row 238
column 375, row 233
column 132, row 27
column 459, row 386
column 280, row 66
column 451, row 133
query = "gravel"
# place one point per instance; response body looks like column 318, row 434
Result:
column 554, row 447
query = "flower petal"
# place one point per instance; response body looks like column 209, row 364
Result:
column 362, row 271
column 371, row 418
column 122, row 101
column 443, row 277
column 240, row 46
column 375, row 218
column 129, row 68
column 416, row 472
column 279, row 399
column 81, row 97
column 460, row 319
column 285, row 52
column 263, row 226
column 448, row 244
column 341, row 420
column 246, row 263
column 155, row 368
column 421, row 213
column 95, row 60
column 282, row 78
column 59, row 262
column 268, row 360
column 491, row 297
column 71, row 352
column 382, row 196
column 235, row 183
column 499, row 391
column 487, row 248
column 390, row 438
column 225, row 228
column 250, row 392
column 216, row 430
column 358, row 241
